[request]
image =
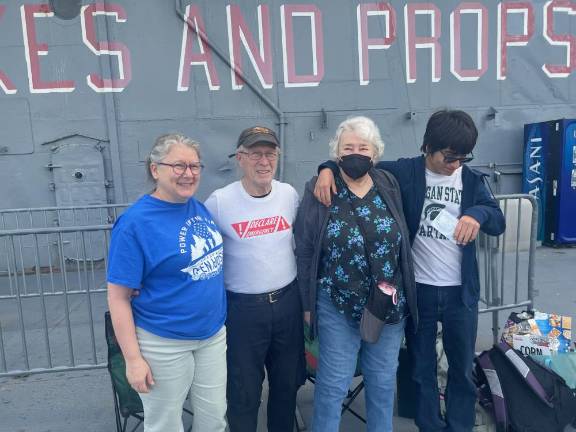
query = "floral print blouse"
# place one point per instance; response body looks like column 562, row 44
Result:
column 344, row 270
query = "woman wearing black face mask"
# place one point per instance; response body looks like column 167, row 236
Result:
column 356, row 278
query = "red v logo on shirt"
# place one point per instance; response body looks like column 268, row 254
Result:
column 240, row 228
column 259, row 227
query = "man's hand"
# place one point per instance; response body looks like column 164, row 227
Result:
column 325, row 187
column 307, row 317
column 466, row 230
column 139, row 375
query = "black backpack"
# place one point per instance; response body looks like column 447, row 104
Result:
column 522, row 395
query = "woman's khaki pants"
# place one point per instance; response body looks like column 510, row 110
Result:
column 179, row 367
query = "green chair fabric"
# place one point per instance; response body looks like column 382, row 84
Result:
column 311, row 352
column 129, row 401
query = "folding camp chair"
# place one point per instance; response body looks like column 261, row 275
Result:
column 127, row 403
column 311, row 352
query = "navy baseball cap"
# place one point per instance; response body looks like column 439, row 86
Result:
column 257, row 135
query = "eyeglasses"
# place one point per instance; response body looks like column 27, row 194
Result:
column 451, row 157
column 179, row 168
column 256, row 156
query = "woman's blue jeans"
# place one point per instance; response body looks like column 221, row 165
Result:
column 340, row 346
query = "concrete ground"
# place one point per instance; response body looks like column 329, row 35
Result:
column 81, row 401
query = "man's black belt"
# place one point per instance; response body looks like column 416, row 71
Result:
column 269, row 297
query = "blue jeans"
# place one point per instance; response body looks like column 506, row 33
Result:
column 459, row 325
column 340, row 346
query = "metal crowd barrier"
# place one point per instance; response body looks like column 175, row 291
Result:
column 47, row 217
column 53, row 287
column 51, row 317
column 506, row 263
column 44, row 217
column 53, row 284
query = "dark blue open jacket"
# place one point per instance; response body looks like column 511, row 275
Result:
column 477, row 202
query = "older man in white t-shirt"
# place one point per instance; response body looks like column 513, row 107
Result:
column 264, row 323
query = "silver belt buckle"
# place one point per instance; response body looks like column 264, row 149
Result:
column 271, row 298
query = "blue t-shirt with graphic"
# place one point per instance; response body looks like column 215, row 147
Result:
column 172, row 253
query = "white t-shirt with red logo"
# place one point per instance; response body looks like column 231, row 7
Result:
column 258, row 240
column 437, row 259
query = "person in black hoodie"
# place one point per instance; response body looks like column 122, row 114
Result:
column 439, row 184
column 356, row 278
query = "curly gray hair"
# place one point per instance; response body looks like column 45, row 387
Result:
column 362, row 126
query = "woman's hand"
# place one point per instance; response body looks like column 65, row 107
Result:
column 139, row 375
column 138, row 372
column 325, row 187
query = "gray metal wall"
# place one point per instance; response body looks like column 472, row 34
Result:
column 122, row 125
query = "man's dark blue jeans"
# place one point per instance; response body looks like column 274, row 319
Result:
column 264, row 332
column 459, row 325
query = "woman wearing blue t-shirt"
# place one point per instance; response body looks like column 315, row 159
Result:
column 172, row 333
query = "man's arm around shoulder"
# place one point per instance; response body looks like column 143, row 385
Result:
column 402, row 169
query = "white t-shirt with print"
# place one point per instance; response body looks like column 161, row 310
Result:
column 437, row 259
column 258, row 240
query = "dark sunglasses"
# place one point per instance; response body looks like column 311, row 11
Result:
column 451, row 158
